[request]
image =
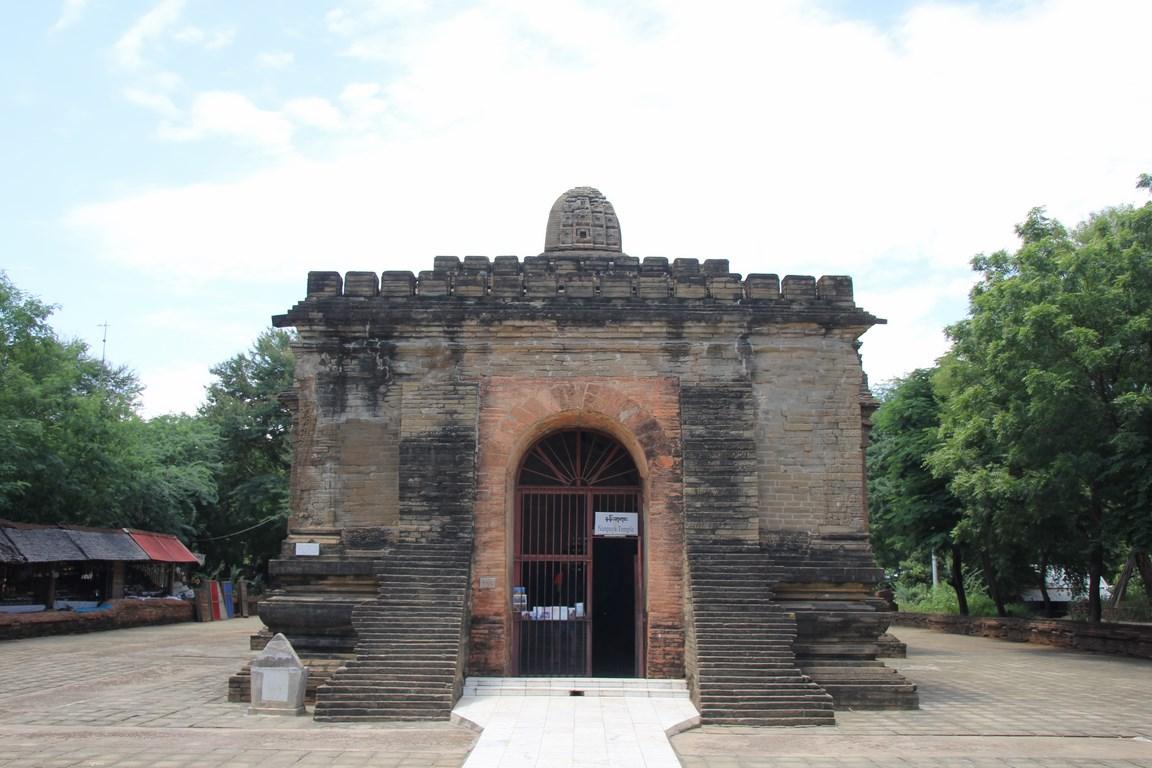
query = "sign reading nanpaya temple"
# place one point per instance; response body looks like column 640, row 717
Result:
column 581, row 463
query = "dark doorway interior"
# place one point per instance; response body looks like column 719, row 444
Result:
column 614, row 607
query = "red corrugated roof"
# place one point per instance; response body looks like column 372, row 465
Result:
column 162, row 547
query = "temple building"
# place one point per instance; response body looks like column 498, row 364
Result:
column 578, row 464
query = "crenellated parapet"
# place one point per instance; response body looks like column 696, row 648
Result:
column 421, row 399
column 588, row 276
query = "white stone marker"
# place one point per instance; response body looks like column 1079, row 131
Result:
column 278, row 680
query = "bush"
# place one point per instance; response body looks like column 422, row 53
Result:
column 942, row 599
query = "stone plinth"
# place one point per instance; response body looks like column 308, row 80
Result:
column 278, row 680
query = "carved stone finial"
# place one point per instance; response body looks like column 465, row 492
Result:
column 582, row 219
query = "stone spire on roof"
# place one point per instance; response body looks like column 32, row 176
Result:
column 582, row 219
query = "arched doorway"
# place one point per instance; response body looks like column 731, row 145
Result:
column 578, row 591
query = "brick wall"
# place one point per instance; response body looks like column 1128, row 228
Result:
column 417, row 397
column 436, row 460
column 808, row 431
column 346, row 439
column 643, row 414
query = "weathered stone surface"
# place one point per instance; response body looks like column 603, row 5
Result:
column 740, row 401
column 582, row 219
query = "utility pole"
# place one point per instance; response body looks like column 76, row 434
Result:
column 103, row 341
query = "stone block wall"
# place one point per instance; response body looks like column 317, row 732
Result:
column 417, row 394
column 808, row 431
column 720, row 474
column 436, row 460
column 346, row 433
column 584, row 275
column 1117, row 638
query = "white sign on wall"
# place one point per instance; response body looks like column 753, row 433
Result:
column 617, row 524
column 310, row 548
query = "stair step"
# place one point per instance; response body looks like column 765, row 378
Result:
column 708, row 663
column 409, row 638
column 376, row 716
column 746, row 667
column 333, row 699
column 712, row 718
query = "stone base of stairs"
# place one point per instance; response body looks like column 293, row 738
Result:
column 863, row 685
column 576, row 686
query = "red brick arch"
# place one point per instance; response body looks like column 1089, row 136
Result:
column 641, row 413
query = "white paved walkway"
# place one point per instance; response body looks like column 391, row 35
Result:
column 538, row 723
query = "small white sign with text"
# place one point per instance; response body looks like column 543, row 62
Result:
column 617, row 524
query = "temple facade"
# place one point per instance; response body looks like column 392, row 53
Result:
column 577, row 464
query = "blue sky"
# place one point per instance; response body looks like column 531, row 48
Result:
column 175, row 167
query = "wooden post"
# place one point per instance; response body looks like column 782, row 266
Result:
column 1144, row 565
column 1137, row 560
column 116, row 581
column 1122, row 583
column 50, row 591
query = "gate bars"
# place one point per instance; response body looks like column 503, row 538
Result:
column 553, row 564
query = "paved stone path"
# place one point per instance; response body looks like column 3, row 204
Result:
column 156, row 696
column 983, row 704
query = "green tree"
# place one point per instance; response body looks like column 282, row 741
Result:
column 1048, row 407
column 75, row 451
column 912, row 513
column 243, row 405
column 64, row 421
column 175, row 465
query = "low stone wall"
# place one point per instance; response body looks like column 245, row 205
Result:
column 120, row 615
column 1120, row 639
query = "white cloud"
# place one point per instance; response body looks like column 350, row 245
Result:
column 232, row 115
column 276, row 59
column 221, row 38
column 194, row 35
column 129, row 49
column 188, row 34
column 155, row 92
column 155, row 101
column 917, row 304
column 70, row 13
column 315, row 113
column 764, row 133
column 173, row 389
column 359, row 17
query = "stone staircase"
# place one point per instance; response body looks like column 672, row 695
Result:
column 840, row 627
column 746, row 672
column 409, row 652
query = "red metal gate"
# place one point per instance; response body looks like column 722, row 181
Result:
column 564, row 481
